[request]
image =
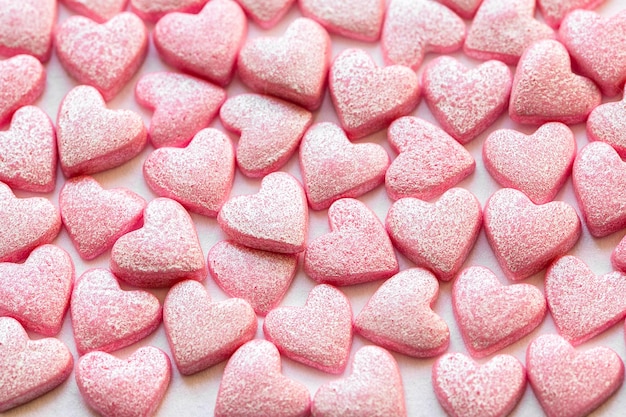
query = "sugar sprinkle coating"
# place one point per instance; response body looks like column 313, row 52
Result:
column 618, row 256
column 554, row 11
column 23, row 79
column 266, row 13
column 607, row 123
column 153, row 10
column 464, row 8
column 97, row 10
column 26, row 27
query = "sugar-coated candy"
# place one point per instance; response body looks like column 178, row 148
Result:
column 23, row 79
column 356, row 19
column 26, row 27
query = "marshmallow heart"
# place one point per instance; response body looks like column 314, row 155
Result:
column 25, row 224
column 429, row 161
column 199, row 176
column 367, row 98
column 415, row 27
column 374, row 388
column 554, row 11
column 607, row 123
column 270, row 131
column 23, row 79
column 466, row 101
column 526, row 237
column 466, row 389
column 30, row 368
column 492, row 316
column 131, row 387
column 182, row 105
column 92, row 138
column 356, row 19
column 106, row 55
column 399, row 316
column 568, row 382
column 202, row 333
column 151, row 11
column 546, row 90
column 464, row 8
column 26, row 27
column 537, row 164
column 333, row 168
column 164, row 251
column 205, row 44
column 275, row 219
column 319, row 334
column 292, row 67
column 356, row 250
column 252, row 385
column 97, row 10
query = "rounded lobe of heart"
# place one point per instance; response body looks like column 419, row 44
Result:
column 399, row 316
column 252, row 385
column 526, row 237
column 26, row 28
column 333, row 168
column 607, row 123
column 492, row 316
column 30, row 368
column 466, row 101
column 569, row 382
column 618, row 256
column 367, row 98
column 537, row 164
column 97, row 10
column 270, row 129
column 466, row 389
column 319, row 334
column 464, row 8
column 554, row 11
column 152, row 11
column 266, row 13
column 373, row 388
column 23, row 80
column 356, row 250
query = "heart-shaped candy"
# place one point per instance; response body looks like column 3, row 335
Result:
column 464, row 8
column 607, row 123
column 151, row 11
column 618, row 256
column 26, row 27
column 266, row 13
column 97, row 10
column 356, row 19
column 23, row 79
column 554, row 11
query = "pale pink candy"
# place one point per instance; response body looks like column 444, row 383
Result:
column 270, row 131
column 415, row 27
column 275, row 219
column 25, row 224
column 30, row 368
column 429, row 161
column 466, row 101
column 464, row 8
column 554, row 11
column 151, row 11
column 333, row 168
column 374, row 388
column 97, row 10
column 465, row 388
column 367, row 98
column 105, row 56
column 356, row 250
column 526, row 237
column 202, row 333
column 618, row 256
column 259, row 277
column 23, row 80
column 607, row 123
column 182, row 105
column 319, row 334
column 131, row 387
column 568, row 382
column 253, row 386
column 163, row 252
column 399, row 316
column 492, row 316
column 26, row 27
column 292, row 67
column 536, row 164
column 546, row 90
column 206, row 44
column 199, row 176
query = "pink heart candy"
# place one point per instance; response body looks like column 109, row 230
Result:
column 292, row 67
column 205, row 44
column 333, row 168
column 373, row 388
column 464, row 8
column 202, row 333
column 30, row 368
column 131, row 387
column 554, row 11
column 415, row 27
column 259, row 277
column 26, row 27
column 526, row 237
column 252, row 385
column 568, row 382
column 151, row 11
column 607, row 123
column 275, row 219
column 97, row 10
column 492, row 316
column 270, row 131
column 399, row 316
column 536, row 164
column 618, row 256
column 163, row 252
column 105, row 55
column 356, row 19
column 182, row 105
column 465, row 388
column 546, row 90
column 199, row 176
column 356, row 250
column 23, row 79
column 319, row 334
column 367, row 98
column 466, row 101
